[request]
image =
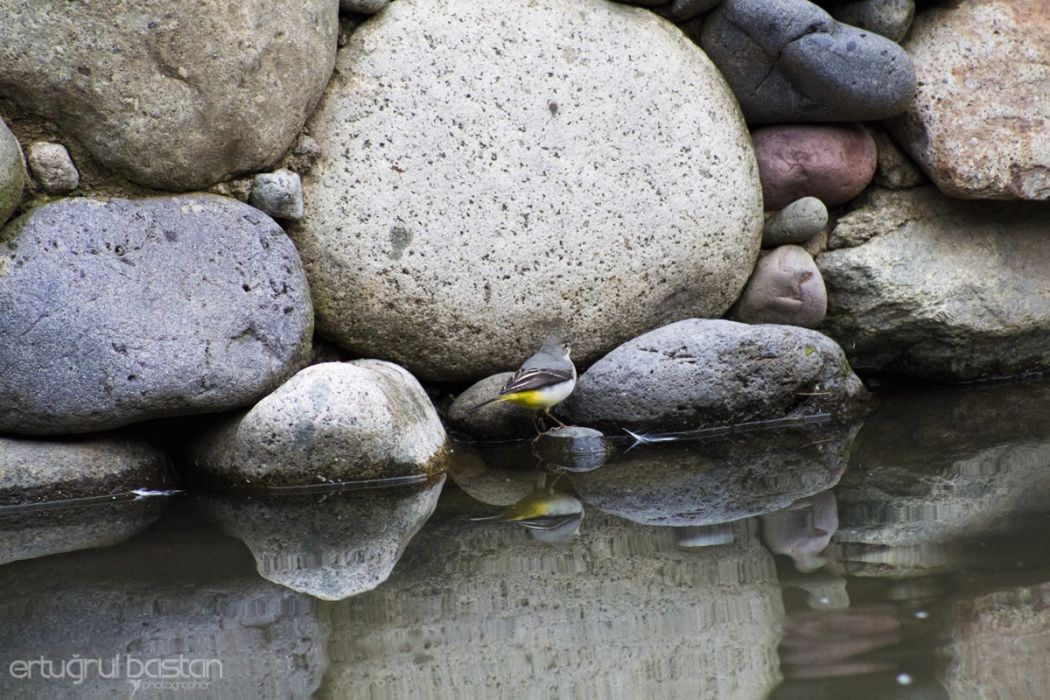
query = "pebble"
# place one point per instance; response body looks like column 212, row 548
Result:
column 786, row 287
column 685, row 10
column 279, row 194
column 798, row 222
column 52, row 167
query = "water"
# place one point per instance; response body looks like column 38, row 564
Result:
column 905, row 557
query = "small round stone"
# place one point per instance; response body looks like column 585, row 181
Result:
column 279, row 194
column 52, row 167
column 786, row 287
column 496, row 421
column 798, row 222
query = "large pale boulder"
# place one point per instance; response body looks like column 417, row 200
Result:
column 117, row 311
column 924, row 285
column 332, row 422
column 980, row 123
column 485, row 182
column 174, row 95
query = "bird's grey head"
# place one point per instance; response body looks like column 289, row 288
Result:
column 556, row 345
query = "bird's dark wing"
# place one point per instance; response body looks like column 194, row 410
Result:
column 535, row 378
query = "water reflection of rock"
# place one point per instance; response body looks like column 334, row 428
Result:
column 331, row 546
column 803, row 530
column 482, row 610
column 28, row 534
column 179, row 591
column 934, row 471
column 709, row 482
column 1000, row 643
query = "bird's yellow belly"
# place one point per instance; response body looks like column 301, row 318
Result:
column 528, row 399
column 542, row 398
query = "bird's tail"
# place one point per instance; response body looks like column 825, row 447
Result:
column 483, row 404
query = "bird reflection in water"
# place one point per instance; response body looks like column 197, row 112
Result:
column 549, row 515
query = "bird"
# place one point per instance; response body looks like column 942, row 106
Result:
column 542, row 382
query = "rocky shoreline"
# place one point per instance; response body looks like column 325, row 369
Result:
column 275, row 244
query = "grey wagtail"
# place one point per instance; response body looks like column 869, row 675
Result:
column 543, row 381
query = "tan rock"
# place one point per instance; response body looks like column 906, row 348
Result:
column 980, row 122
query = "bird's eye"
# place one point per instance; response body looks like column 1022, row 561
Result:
column 567, row 348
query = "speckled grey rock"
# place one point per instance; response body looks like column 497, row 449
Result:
column 685, row 10
column 894, row 169
column 493, row 184
column 890, row 18
column 175, row 95
column 124, row 310
column 790, row 61
column 980, row 123
column 697, row 373
column 33, row 471
column 924, row 285
column 12, row 172
column 332, row 546
column 366, row 7
column 332, row 422
column 497, row 421
column 786, row 287
column 52, row 167
column 707, row 483
column 796, row 223
column 279, row 194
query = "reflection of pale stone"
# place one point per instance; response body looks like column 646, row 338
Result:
column 175, row 593
column 1000, row 643
column 483, row 610
column 330, row 546
column 39, row 533
column 705, row 483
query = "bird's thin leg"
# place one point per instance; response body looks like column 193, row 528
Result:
column 536, row 424
column 554, row 418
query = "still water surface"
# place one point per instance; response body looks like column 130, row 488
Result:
column 907, row 556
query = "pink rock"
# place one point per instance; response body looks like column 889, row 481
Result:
column 832, row 163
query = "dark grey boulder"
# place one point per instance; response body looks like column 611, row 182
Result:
column 704, row 373
column 117, row 311
column 790, row 61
